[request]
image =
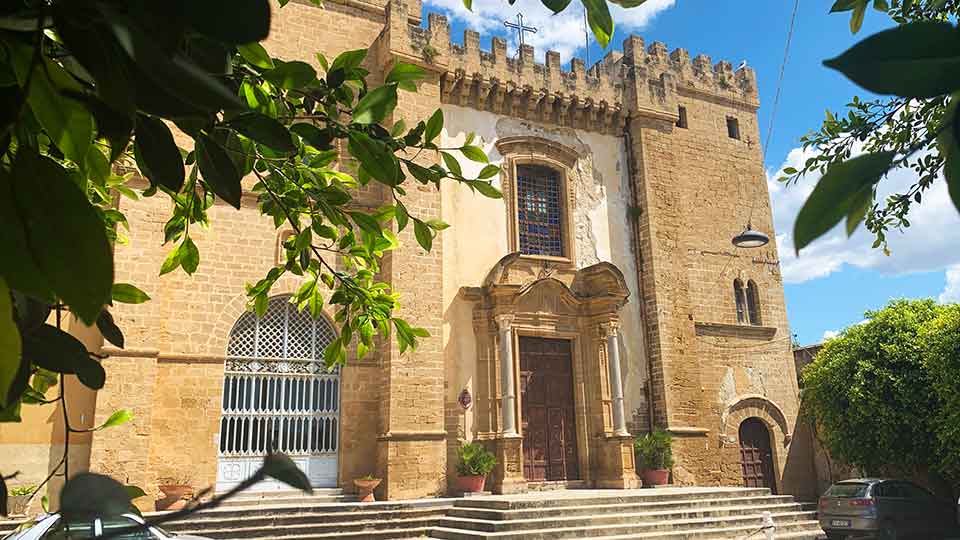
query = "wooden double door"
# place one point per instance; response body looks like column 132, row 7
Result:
column 756, row 455
column 547, row 410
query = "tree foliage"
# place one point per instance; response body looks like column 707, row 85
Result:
column 915, row 65
column 884, row 393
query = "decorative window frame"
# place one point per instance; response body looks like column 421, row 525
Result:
column 539, row 151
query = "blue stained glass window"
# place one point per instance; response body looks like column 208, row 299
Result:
column 539, row 210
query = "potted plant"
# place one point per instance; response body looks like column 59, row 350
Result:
column 18, row 500
column 365, row 486
column 654, row 457
column 475, row 464
column 177, row 492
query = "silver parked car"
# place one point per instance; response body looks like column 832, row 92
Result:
column 52, row 527
column 884, row 509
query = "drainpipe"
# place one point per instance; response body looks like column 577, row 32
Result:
column 635, row 241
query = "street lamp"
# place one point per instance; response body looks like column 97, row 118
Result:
column 750, row 238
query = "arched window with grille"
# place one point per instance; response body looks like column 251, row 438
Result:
column 740, row 300
column 540, row 211
column 279, row 395
column 753, row 303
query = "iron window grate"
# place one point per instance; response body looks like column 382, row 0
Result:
column 539, row 211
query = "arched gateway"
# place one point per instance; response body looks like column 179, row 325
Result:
column 277, row 392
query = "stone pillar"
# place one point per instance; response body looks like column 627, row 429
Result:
column 508, row 402
column 616, row 383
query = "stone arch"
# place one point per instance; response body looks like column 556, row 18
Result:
column 767, row 411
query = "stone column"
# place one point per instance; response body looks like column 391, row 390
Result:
column 611, row 330
column 508, row 403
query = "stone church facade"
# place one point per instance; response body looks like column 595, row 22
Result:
column 600, row 298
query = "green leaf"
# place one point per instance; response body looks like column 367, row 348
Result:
column 172, row 261
column 10, row 345
column 67, row 122
column 218, row 170
column 557, row 6
column 488, row 172
column 93, row 494
column 486, row 189
column 452, row 164
column 134, row 492
column 69, row 245
column 434, row 125
column 598, row 16
column 126, row 293
column 402, row 217
column 468, row 4
column 858, row 209
column 374, row 157
column 157, row 153
column 255, row 54
column 836, row 194
column 57, row 351
column 881, row 5
column 17, row 264
column 405, row 74
column 231, row 21
column 376, row 105
column 348, row 60
column 845, row 5
column 948, row 142
column 264, row 130
column 118, row 418
column 290, row 75
column 474, row 153
column 189, row 256
column 108, row 328
column 312, row 135
column 856, row 20
column 315, row 304
column 916, row 60
column 423, row 233
column 282, row 468
column 366, row 222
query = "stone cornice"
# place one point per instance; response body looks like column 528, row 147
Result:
column 735, row 330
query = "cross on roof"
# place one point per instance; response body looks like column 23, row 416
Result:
column 520, row 28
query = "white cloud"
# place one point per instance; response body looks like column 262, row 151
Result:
column 951, row 293
column 930, row 244
column 562, row 32
column 830, row 334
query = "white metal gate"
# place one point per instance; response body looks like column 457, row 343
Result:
column 277, row 391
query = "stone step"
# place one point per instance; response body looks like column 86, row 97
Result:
column 323, row 510
column 394, row 528
column 202, row 524
column 272, row 498
column 787, row 521
column 801, row 530
column 633, row 518
column 607, row 497
column 596, row 509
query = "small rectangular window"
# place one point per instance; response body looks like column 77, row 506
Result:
column 733, row 128
column 540, row 210
column 682, row 117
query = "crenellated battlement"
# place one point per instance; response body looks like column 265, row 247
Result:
column 639, row 80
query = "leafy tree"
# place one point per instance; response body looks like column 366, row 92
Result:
column 915, row 66
column 941, row 341
column 871, row 394
column 91, row 93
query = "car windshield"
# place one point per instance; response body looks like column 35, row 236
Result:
column 849, row 490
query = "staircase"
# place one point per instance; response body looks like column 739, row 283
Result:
column 661, row 514
column 326, row 514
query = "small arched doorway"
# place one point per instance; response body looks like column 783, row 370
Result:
column 756, row 455
column 277, row 391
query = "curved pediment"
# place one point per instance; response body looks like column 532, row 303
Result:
column 547, row 295
column 601, row 279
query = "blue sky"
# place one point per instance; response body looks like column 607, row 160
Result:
column 835, row 280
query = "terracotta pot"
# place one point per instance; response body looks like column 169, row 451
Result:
column 365, row 489
column 655, row 477
column 175, row 497
column 471, row 484
column 17, row 504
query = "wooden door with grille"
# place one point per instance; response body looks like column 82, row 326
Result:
column 547, row 410
column 756, row 456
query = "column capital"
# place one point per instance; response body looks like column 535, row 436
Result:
column 610, row 328
column 504, row 321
